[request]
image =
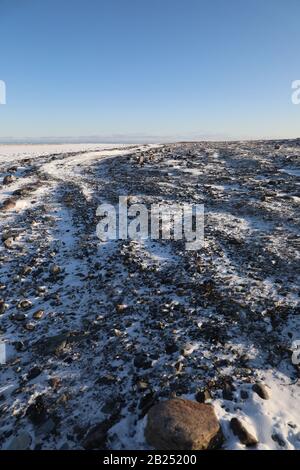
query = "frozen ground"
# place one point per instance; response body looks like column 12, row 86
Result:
column 221, row 319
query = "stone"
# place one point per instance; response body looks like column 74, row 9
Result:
column 25, row 304
column 2, row 306
column 171, row 348
column 54, row 382
column 244, row 395
column 55, row 269
column 37, row 412
column 261, row 391
column 242, row 433
column 142, row 361
column 96, row 436
column 8, row 242
column 227, row 392
column 46, row 428
column 179, row 424
column 120, row 308
column 203, row 395
column 30, row 326
column 33, row 373
column 8, row 179
column 279, row 439
column 19, row 316
column 21, row 442
column 53, row 344
column 8, row 205
column 38, row 315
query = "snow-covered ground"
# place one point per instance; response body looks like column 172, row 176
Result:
column 219, row 319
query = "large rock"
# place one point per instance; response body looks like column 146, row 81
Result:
column 183, row 425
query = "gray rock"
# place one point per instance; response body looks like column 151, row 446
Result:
column 53, row 344
column 21, row 442
column 96, row 436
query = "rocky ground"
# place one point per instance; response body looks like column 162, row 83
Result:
column 97, row 333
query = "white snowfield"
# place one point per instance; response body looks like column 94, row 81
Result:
column 248, row 268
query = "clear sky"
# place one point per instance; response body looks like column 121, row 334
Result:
column 136, row 69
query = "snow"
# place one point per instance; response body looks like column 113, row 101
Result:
column 243, row 285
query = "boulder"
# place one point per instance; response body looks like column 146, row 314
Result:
column 180, row 424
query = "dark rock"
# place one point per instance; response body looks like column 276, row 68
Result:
column 96, row 437
column 261, row 391
column 244, row 394
column 37, row 412
column 279, row 439
column 142, row 361
column 242, row 433
column 171, row 348
column 53, row 344
column 8, row 179
column 9, row 205
column 33, row 373
column 227, row 392
column 203, row 395
column 2, row 306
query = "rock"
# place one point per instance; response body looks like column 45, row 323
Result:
column 244, row 395
column 30, row 326
column 37, row 412
column 33, row 373
column 38, row 315
column 279, row 439
column 25, row 304
column 46, row 428
column 8, row 179
column 26, row 270
column 120, row 308
column 8, row 205
column 2, row 306
column 242, row 433
column 146, row 402
column 53, row 344
column 171, row 348
column 203, row 395
column 8, row 242
column 261, row 391
column 227, row 392
column 19, row 316
column 96, row 437
column 187, row 350
column 142, row 361
column 55, row 269
column 21, row 442
column 54, row 382
column 179, row 424
column 7, row 234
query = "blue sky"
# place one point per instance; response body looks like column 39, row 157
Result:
column 139, row 69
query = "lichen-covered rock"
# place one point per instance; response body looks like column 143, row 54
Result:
column 183, row 425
